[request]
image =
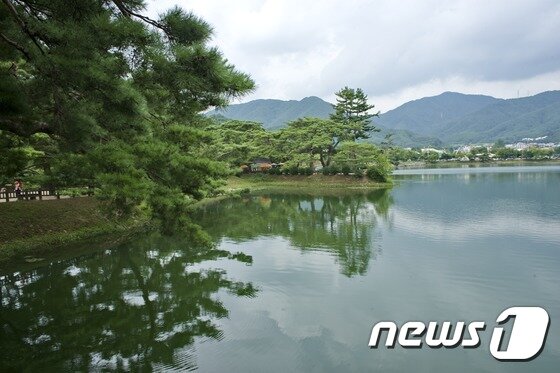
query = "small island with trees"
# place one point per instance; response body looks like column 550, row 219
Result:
column 306, row 146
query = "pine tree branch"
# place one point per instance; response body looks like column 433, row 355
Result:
column 16, row 45
column 129, row 13
column 25, row 129
column 22, row 24
column 33, row 10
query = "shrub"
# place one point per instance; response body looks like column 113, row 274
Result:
column 290, row 170
column 359, row 173
column 275, row 171
column 306, row 171
column 376, row 175
column 333, row 170
column 345, row 169
column 287, row 170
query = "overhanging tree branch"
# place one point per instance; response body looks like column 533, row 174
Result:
column 129, row 13
column 17, row 46
column 22, row 24
column 25, row 128
column 33, row 10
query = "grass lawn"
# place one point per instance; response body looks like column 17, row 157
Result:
column 38, row 227
column 264, row 181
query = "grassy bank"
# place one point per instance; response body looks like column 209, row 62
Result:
column 37, row 228
column 256, row 182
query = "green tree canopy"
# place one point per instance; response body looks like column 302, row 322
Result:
column 362, row 155
column 306, row 139
column 118, row 96
column 239, row 142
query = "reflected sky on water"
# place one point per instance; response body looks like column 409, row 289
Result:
column 295, row 281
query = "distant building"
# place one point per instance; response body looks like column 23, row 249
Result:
column 261, row 164
column 463, row 149
column 431, row 150
column 518, row 146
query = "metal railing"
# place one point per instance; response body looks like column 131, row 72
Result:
column 27, row 195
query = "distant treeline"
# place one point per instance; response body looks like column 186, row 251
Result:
column 475, row 154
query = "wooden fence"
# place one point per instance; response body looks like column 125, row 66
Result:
column 29, row 195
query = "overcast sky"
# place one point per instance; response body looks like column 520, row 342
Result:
column 395, row 51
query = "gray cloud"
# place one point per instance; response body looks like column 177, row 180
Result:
column 296, row 48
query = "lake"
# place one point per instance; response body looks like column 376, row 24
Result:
column 295, row 281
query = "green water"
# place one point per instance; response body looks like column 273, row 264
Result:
column 296, row 281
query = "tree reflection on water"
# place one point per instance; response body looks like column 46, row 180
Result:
column 143, row 305
column 135, row 307
column 342, row 223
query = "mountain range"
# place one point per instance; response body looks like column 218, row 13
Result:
column 274, row 114
column 447, row 119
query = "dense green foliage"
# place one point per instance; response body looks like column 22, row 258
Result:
column 352, row 112
column 356, row 158
column 96, row 94
column 309, row 138
column 239, row 142
column 307, row 144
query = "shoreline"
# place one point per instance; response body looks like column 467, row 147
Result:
column 54, row 232
column 265, row 181
column 19, row 249
column 473, row 164
column 35, row 230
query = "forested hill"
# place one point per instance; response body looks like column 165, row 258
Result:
column 274, row 114
column 449, row 118
column 426, row 115
column 509, row 120
column 458, row 118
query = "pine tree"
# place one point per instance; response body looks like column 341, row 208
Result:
column 352, row 112
column 111, row 99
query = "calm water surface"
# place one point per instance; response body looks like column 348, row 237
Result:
column 296, row 281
